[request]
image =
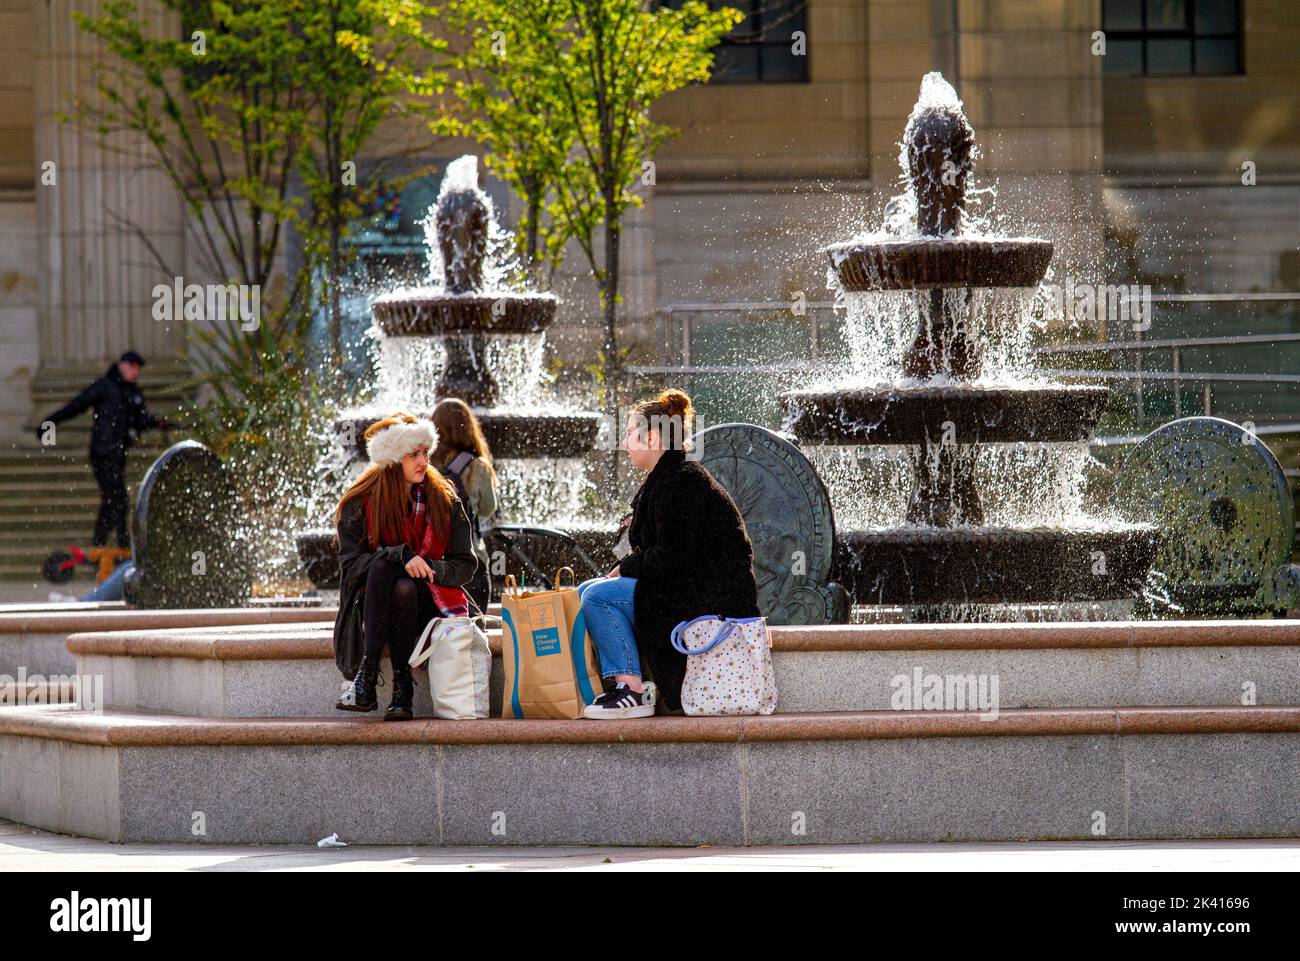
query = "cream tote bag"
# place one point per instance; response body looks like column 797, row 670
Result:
column 460, row 665
column 728, row 665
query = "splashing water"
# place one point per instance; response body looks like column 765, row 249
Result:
column 1036, row 484
column 501, row 269
column 553, row 491
column 881, row 325
column 532, row 488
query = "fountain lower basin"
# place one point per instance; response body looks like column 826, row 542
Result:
column 991, row 565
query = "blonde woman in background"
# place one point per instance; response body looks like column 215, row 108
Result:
column 463, row 455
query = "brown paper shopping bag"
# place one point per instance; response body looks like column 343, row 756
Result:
column 550, row 660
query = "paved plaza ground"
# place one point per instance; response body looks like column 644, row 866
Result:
column 24, row 849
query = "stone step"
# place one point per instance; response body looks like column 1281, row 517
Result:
column 26, row 551
column 29, row 574
column 44, row 539
column 30, row 501
column 288, row 670
column 67, row 456
column 831, row 778
column 63, row 488
column 34, row 637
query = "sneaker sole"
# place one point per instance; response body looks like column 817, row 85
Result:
column 356, row 708
column 619, row 713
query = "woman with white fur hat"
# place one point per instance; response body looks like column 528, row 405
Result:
column 405, row 551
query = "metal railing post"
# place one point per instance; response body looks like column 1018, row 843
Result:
column 1178, row 369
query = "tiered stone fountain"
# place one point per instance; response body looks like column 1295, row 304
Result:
column 474, row 339
column 941, row 408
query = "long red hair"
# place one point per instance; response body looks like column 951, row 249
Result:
column 389, row 494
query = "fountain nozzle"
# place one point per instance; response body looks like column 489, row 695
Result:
column 940, row 157
column 463, row 221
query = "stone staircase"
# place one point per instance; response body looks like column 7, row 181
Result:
column 49, row 499
column 1102, row 730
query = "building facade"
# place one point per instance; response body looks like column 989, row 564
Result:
column 1169, row 155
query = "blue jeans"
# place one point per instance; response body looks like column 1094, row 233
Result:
column 114, row 586
column 607, row 607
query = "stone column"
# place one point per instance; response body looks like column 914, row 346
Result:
column 95, row 276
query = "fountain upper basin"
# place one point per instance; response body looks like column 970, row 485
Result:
column 936, row 262
column 417, row 314
column 968, row 413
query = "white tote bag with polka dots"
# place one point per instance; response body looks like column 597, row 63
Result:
column 728, row 665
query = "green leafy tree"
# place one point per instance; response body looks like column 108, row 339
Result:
column 250, row 94
column 561, row 92
column 364, row 60
column 612, row 60
column 500, row 102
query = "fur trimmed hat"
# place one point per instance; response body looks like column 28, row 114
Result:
column 390, row 445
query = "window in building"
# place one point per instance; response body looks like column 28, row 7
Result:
column 766, row 46
column 1156, row 38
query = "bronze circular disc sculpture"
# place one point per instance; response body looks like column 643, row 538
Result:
column 788, row 517
column 1226, row 505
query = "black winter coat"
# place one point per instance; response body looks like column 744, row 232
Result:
column 690, row 556
column 454, row 569
column 120, row 413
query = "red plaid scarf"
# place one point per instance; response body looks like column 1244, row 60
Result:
column 420, row 537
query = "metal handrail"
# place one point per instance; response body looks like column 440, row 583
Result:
column 1174, row 342
column 1060, row 372
column 1178, row 377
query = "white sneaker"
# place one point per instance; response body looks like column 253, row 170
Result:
column 623, row 702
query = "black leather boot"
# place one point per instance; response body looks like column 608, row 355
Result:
column 364, row 697
column 403, row 694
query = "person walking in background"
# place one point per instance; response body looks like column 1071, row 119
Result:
column 120, row 415
column 463, row 455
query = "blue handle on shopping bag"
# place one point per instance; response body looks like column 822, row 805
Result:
column 723, row 633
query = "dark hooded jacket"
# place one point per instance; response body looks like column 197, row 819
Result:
column 120, row 413
column 690, row 556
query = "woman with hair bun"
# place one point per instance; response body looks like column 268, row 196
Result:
column 685, row 553
column 405, row 551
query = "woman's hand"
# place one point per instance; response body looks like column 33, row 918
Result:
column 418, row 567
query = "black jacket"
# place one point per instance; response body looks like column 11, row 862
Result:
column 690, row 556
column 454, row 569
column 120, row 413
